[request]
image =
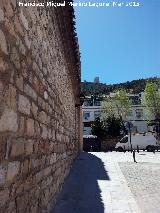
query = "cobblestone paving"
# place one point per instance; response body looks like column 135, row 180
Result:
column 144, row 182
column 112, row 183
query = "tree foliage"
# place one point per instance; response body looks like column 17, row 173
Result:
column 98, row 128
column 118, row 106
column 135, row 86
column 113, row 126
column 151, row 101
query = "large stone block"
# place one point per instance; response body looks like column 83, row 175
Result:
column 13, row 170
column 39, row 176
column 29, row 147
column 53, row 158
column 8, row 8
column 21, row 126
column 1, row 15
column 4, row 196
column 17, row 148
column 11, row 97
column 2, row 175
column 24, row 105
column 42, row 117
column 44, row 132
column 3, row 43
column 30, row 92
column 34, row 109
column 37, row 129
column 15, row 58
column 46, row 95
column 11, row 207
column 14, row 3
column 8, row 121
column 53, row 134
column 30, row 129
column 25, row 167
column 21, row 47
column 47, row 171
column 3, row 65
column 10, row 27
column 36, row 84
column 19, row 83
column 3, row 146
column 18, row 27
column 24, row 20
column 22, row 203
column 27, row 42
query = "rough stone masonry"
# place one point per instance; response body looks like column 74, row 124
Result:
column 39, row 104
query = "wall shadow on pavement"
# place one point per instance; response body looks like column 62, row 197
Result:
column 80, row 192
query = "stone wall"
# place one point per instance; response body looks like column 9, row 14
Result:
column 39, row 88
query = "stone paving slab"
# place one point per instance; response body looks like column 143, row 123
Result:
column 112, row 183
column 96, row 184
column 144, row 182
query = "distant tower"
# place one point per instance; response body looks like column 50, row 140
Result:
column 96, row 80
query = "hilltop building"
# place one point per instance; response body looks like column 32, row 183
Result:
column 96, row 80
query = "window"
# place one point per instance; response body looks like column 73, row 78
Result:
column 139, row 113
column 87, row 124
column 86, row 116
column 130, row 113
column 97, row 114
column 124, row 140
column 88, row 103
column 97, row 103
column 135, row 100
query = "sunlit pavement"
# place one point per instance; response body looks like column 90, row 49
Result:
column 112, row 183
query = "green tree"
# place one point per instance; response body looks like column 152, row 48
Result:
column 98, row 128
column 118, row 105
column 113, row 126
column 151, row 100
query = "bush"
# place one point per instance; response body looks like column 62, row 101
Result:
column 98, row 128
column 113, row 126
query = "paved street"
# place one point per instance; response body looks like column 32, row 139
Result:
column 112, row 183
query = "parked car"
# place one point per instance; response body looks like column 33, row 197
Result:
column 91, row 143
column 138, row 141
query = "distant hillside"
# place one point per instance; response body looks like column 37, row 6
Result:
column 134, row 86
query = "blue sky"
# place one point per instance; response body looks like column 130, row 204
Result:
column 119, row 44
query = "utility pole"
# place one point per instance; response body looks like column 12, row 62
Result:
column 129, row 127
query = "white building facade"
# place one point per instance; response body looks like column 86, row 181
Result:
column 92, row 108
